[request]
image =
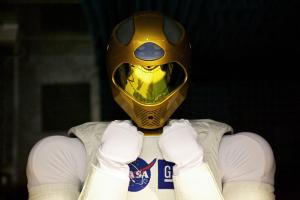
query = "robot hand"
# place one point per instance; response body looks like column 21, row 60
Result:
column 121, row 144
column 178, row 144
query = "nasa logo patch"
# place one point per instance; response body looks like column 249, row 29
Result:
column 139, row 174
column 165, row 174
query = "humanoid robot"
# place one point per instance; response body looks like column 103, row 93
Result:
column 151, row 157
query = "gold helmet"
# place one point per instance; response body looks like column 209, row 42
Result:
column 148, row 66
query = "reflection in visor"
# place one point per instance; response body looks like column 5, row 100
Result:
column 149, row 84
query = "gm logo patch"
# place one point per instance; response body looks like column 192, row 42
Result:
column 139, row 174
column 165, row 174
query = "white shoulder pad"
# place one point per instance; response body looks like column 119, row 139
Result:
column 246, row 157
column 56, row 159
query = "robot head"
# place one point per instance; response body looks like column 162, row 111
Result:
column 148, row 66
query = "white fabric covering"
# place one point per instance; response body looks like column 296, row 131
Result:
column 204, row 185
column 248, row 190
column 56, row 159
column 244, row 158
column 98, row 186
column 180, row 133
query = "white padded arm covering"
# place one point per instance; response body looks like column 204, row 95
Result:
column 239, row 190
column 54, row 192
column 101, row 185
column 196, row 183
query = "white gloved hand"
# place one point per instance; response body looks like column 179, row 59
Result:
column 178, row 144
column 121, row 144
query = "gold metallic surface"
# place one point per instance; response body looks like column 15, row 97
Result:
column 148, row 27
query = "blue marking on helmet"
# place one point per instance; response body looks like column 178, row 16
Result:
column 149, row 51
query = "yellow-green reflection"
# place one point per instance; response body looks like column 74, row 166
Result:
column 149, row 84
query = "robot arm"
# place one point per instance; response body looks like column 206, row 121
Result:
column 246, row 162
column 98, row 186
column 248, row 167
column 121, row 144
column 192, row 177
column 55, row 171
column 196, row 183
column 56, row 166
column 248, row 190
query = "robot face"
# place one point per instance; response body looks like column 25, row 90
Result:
column 149, row 85
column 147, row 59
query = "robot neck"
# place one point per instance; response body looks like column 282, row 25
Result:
column 151, row 132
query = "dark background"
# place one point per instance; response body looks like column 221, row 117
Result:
column 244, row 62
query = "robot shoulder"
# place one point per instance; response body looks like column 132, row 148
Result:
column 56, row 159
column 246, row 157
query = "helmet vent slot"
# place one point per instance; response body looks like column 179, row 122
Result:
column 149, row 118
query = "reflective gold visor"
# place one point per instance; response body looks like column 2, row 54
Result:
column 149, row 84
